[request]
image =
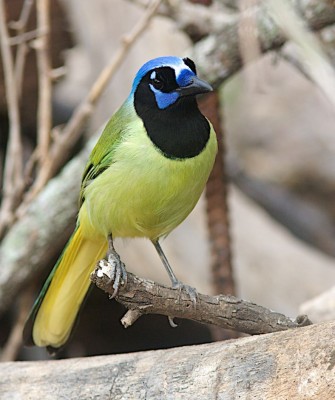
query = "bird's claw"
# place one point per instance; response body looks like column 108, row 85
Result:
column 192, row 292
column 172, row 323
column 117, row 272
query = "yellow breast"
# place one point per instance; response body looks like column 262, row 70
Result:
column 143, row 193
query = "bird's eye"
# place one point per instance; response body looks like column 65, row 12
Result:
column 157, row 83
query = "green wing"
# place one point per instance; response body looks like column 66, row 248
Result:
column 102, row 154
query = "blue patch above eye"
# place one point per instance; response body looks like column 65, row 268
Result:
column 164, row 100
column 185, row 77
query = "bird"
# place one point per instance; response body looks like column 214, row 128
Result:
column 144, row 176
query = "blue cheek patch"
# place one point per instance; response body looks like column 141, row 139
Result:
column 164, row 100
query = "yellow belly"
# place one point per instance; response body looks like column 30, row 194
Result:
column 143, row 193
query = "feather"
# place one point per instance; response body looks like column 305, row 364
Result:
column 55, row 311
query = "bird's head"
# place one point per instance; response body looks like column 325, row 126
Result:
column 162, row 82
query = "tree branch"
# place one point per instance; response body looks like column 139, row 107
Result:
column 217, row 55
column 142, row 296
column 13, row 171
column 22, row 49
column 309, row 50
column 41, row 45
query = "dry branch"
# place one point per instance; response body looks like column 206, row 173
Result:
column 296, row 364
column 142, row 296
column 22, row 49
column 316, row 63
column 41, row 45
column 217, row 56
column 217, row 204
column 13, row 174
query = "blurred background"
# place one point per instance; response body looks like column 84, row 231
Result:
column 264, row 230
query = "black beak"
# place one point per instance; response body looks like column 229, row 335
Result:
column 197, row 86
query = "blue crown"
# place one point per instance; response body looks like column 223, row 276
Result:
column 176, row 63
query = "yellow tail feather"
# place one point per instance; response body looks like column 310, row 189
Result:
column 60, row 306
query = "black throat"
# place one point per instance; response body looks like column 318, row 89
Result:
column 179, row 131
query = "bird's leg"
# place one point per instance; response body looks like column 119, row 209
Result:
column 176, row 284
column 118, row 273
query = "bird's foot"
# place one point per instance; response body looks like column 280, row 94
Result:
column 191, row 291
column 116, row 271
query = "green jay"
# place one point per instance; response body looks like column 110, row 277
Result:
column 143, row 177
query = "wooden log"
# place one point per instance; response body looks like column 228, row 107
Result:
column 295, row 364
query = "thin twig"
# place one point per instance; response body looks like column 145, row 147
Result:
column 22, row 49
column 25, row 37
column 142, row 296
column 13, row 178
column 21, row 23
column 72, row 130
column 20, row 61
column 41, row 46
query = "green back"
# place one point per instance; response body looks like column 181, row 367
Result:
column 102, row 154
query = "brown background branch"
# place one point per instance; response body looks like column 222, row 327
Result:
column 13, row 177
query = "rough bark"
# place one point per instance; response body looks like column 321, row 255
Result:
column 142, row 296
column 296, row 364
